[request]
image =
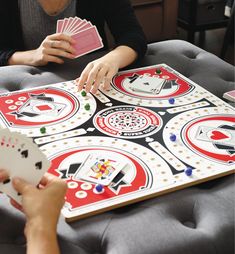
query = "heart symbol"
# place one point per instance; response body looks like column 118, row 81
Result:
column 217, row 135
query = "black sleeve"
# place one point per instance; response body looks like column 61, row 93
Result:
column 11, row 36
column 124, row 26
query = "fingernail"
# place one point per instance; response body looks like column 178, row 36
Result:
column 3, row 174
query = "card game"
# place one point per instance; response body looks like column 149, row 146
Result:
column 83, row 32
column 129, row 144
column 22, row 158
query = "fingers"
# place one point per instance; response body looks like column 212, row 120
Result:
column 58, row 53
column 21, row 186
column 16, row 205
column 108, row 79
column 3, row 175
column 61, row 37
column 56, row 46
column 94, row 75
column 50, row 180
column 101, row 74
column 66, row 46
column 84, row 76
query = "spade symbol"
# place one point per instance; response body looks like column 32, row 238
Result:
column 25, row 154
column 38, row 165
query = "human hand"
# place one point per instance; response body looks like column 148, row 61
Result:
column 52, row 49
column 3, row 175
column 41, row 206
column 100, row 71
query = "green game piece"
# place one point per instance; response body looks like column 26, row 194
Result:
column 87, row 106
column 158, row 71
column 83, row 93
column 43, row 130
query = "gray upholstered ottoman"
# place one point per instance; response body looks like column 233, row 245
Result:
column 195, row 220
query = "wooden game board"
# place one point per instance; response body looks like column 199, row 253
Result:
column 136, row 127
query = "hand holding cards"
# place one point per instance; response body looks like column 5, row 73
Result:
column 20, row 157
column 83, row 32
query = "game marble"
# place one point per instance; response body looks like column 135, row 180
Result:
column 153, row 132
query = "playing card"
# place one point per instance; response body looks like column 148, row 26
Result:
column 147, row 84
column 66, row 20
column 83, row 32
column 87, row 41
column 81, row 28
column 220, row 136
column 59, row 26
column 35, row 107
column 74, row 24
column 99, row 168
column 20, row 157
column 230, row 95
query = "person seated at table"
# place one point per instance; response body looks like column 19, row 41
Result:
column 28, row 35
column 42, row 209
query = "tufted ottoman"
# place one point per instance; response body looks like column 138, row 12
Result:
column 196, row 220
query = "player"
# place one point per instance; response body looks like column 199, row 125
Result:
column 28, row 38
column 42, row 208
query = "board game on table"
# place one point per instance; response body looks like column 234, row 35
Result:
column 163, row 130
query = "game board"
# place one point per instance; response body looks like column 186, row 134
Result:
column 132, row 125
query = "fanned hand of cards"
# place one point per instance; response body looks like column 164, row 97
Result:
column 20, row 157
column 83, row 32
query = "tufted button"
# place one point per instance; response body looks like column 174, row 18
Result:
column 189, row 224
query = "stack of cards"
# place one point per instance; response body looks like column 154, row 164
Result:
column 20, row 157
column 83, row 32
column 147, row 84
column 230, row 95
column 98, row 168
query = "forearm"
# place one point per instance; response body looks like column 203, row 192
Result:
column 22, row 57
column 122, row 55
column 41, row 239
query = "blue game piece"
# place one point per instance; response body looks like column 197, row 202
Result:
column 171, row 101
column 99, row 187
column 188, row 171
column 173, row 137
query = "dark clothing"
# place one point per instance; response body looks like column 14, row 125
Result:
column 118, row 14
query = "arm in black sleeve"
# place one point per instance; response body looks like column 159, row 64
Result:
column 124, row 26
column 11, row 37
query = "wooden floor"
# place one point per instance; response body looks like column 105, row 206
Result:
column 213, row 42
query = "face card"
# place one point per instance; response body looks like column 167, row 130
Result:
column 216, row 135
column 87, row 41
column 20, row 157
column 99, row 169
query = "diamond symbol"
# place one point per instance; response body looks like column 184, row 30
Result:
column 44, row 107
